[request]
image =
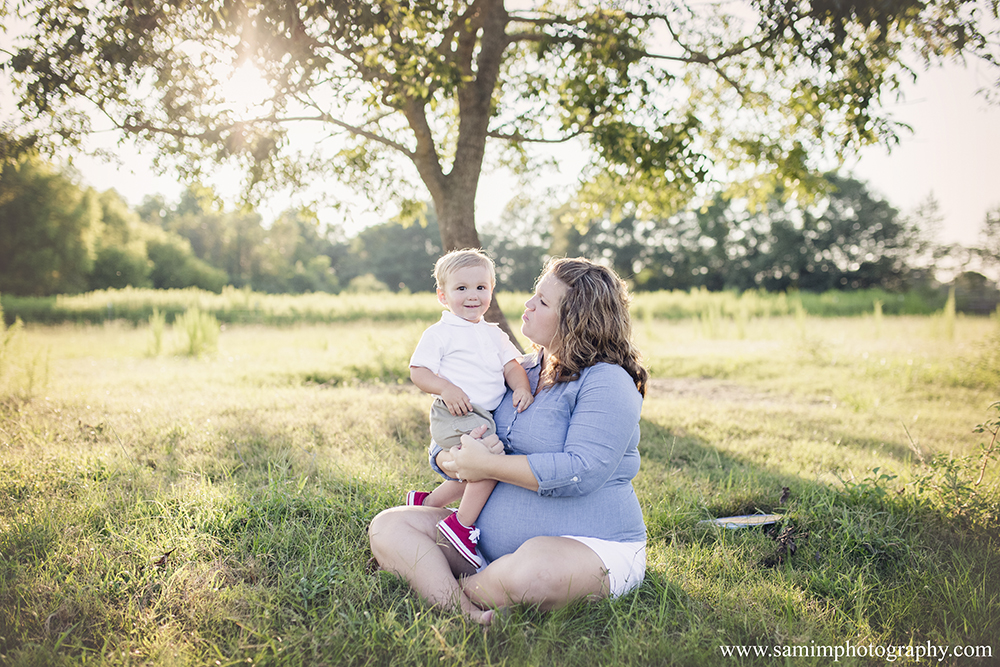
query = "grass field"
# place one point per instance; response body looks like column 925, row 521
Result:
column 165, row 509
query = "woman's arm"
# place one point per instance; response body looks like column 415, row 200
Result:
column 602, row 427
column 474, row 461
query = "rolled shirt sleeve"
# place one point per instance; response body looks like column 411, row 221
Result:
column 601, row 436
column 433, row 451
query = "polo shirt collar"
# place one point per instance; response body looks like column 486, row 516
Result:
column 454, row 320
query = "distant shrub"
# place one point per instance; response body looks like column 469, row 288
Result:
column 174, row 267
column 121, row 267
column 366, row 284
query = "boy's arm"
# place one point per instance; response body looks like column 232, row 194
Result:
column 517, row 380
column 430, row 382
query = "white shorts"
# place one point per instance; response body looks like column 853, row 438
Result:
column 624, row 561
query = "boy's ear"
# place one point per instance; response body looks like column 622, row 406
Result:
column 441, row 298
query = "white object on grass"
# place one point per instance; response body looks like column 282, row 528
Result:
column 743, row 521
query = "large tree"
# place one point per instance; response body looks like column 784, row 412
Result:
column 662, row 93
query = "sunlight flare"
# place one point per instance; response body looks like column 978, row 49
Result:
column 245, row 89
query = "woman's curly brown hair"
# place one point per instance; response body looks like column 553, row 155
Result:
column 594, row 324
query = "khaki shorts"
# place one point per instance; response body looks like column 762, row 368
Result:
column 447, row 430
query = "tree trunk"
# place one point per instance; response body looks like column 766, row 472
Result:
column 456, row 213
column 454, row 193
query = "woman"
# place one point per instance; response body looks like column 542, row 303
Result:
column 564, row 522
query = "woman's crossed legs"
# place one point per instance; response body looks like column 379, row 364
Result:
column 549, row 572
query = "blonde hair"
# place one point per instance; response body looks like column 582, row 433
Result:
column 594, row 324
column 459, row 259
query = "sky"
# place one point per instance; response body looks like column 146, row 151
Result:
column 953, row 154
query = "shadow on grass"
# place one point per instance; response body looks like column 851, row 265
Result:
column 261, row 555
column 729, row 485
column 876, row 560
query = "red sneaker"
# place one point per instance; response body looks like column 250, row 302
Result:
column 462, row 537
column 416, row 497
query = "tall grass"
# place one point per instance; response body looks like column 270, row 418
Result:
column 948, row 315
column 242, row 306
column 23, row 369
column 213, row 510
column 232, row 306
column 157, row 323
column 201, row 332
column 877, row 314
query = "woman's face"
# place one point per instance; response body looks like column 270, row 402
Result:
column 540, row 321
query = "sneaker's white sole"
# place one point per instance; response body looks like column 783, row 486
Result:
column 456, row 542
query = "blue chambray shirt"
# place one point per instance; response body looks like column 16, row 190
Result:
column 581, row 439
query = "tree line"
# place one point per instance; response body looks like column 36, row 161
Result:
column 59, row 236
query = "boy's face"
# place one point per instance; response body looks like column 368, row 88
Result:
column 467, row 292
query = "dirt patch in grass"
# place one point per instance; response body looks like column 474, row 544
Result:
column 715, row 390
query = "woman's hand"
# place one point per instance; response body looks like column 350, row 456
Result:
column 472, row 461
column 475, row 460
column 464, row 462
column 491, row 442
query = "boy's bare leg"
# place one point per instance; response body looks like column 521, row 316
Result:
column 446, row 493
column 474, row 499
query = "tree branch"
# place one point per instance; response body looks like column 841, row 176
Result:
column 359, row 131
column 425, row 157
column 518, row 138
column 692, row 56
column 323, row 117
column 449, row 33
column 475, row 99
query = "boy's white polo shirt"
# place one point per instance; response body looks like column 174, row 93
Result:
column 470, row 355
